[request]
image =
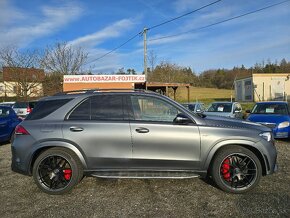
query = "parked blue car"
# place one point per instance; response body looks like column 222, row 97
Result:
column 8, row 122
column 275, row 115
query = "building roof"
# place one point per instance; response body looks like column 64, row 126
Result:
column 265, row 75
column 13, row 74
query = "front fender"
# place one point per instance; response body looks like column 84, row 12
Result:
column 224, row 143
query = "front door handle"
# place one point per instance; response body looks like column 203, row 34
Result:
column 142, row 130
column 76, row 129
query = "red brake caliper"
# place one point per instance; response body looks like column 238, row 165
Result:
column 67, row 174
column 226, row 169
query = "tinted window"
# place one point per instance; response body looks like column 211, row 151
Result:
column 100, row 107
column 153, row 109
column 44, row 108
column 107, row 107
column 82, row 111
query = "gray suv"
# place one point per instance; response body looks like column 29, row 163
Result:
column 136, row 134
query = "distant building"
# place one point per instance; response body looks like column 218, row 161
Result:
column 263, row 87
column 21, row 82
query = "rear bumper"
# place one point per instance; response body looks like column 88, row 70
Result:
column 20, row 162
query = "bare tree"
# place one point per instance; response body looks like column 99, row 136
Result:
column 152, row 60
column 64, row 58
column 20, row 73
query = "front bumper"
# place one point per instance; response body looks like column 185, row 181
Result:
column 269, row 152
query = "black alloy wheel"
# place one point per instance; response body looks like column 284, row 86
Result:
column 57, row 171
column 236, row 169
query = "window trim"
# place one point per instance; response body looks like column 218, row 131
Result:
column 90, row 109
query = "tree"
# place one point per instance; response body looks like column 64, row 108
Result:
column 152, row 60
column 20, row 71
column 63, row 58
column 121, row 71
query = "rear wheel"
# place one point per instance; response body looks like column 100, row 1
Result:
column 236, row 169
column 57, row 171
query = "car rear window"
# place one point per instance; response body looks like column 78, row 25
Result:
column 44, row 108
column 20, row 105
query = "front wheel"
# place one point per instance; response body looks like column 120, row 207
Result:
column 57, row 171
column 236, row 169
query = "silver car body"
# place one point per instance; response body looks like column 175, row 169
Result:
column 131, row 144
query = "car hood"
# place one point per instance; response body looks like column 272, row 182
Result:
column 268, row 118
column 234, row 123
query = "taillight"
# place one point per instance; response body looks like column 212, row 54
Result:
column 29, row 109
column 20, row 130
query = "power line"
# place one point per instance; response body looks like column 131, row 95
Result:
column 168, row 21
column 155, row 26
column 223, row 21
column 124, row 43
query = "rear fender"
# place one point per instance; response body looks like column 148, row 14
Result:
column 63, row 144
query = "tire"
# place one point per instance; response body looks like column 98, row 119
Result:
column 236, row 169
column 57, row 170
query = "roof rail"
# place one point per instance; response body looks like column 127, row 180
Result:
column 89, row 91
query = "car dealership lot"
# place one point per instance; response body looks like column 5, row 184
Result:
column 20, row 197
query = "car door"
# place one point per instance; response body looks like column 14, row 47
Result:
column 98, row 127
column 158, row 142
column 4, row 123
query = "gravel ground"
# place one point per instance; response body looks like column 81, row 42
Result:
column 93, row 197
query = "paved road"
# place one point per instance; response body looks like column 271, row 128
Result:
column 19, row 196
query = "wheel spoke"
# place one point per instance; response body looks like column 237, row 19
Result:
column 242, row 171
column 55, row 165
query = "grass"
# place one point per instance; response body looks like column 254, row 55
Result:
column 205, row 95
column 208, row 95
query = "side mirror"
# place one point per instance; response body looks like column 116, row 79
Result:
column 181, row 119
column 248, row 111
column 237, row 111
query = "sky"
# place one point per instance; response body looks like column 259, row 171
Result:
column 98, row 26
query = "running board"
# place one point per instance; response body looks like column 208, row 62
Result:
column 146, row 174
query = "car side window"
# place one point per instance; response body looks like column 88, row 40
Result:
column 153, row 109
column 82, row 111
column 4, row 112
column 100, row 107
column 107, row 107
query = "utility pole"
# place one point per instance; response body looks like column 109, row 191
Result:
column 145, row 55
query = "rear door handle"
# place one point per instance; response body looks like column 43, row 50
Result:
column 142, row 130
column 76, row 129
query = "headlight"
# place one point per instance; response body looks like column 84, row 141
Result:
column 283, row 124
column 266, row 135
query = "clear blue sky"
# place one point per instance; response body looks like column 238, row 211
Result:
column 100, row 25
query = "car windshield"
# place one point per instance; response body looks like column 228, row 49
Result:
column 220, row 107
column 273, row 108
column 189, row 106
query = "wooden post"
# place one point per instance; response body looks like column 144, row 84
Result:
column 188, row 93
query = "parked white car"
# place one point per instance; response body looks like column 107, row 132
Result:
column 225, row 109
